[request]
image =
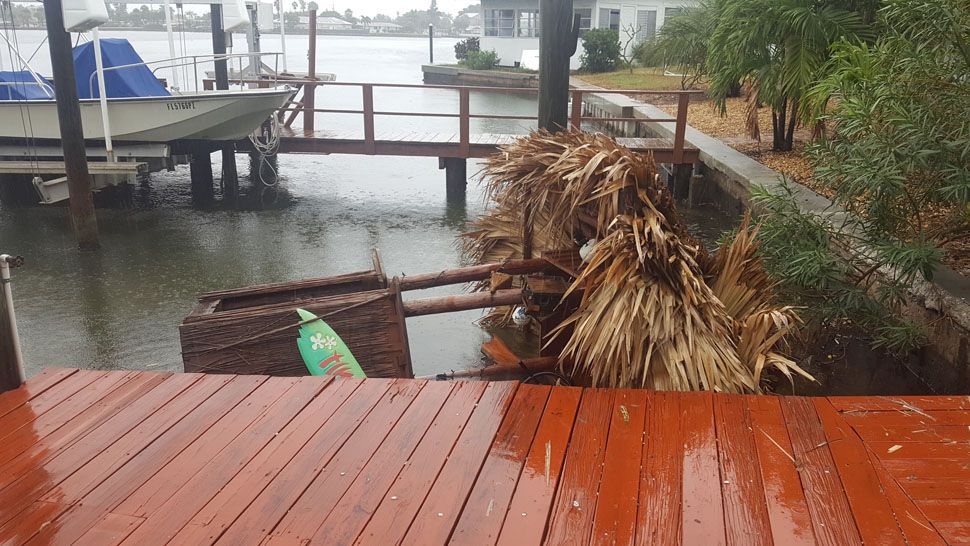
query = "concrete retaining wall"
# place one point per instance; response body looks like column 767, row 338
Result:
column 452, row 75
column 942, row 307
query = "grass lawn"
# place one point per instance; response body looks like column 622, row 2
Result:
column 640, row 78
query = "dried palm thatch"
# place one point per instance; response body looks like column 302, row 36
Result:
column 655, row 310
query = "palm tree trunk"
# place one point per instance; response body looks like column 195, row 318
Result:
column 790, row 135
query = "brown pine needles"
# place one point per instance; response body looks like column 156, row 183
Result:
column 656, row 311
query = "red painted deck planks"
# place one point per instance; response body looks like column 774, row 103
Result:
column 111, row 529
column 787, row 507
column 873, row 515
column 911, row 519
column 658, row 517
column 262, row 413
column 484, row 512
column 616, row 509
column 122, row 430
column 946, row 509
column 98, row 492
column 375, row 489
column 438, row 513
column 703, row 512
column 529, row 509
column 575, row 505
column 16, row 456
column 392, row 457
column 377, row 442
column 280, row 468
column 25, row 414
column 294, row 483
column 390, row 520
column 858, row 404
column 34, row 386
column 831, row 515
column 913, row 433
column 745, row 507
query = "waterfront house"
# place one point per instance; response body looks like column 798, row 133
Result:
column 512, row 26
column 383, row 27
column 326, row 23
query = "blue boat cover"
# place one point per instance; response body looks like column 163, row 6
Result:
column 136, row 81
column 21, row 85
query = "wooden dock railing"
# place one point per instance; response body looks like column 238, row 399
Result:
column 464, row 114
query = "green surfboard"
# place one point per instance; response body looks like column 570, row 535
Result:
column 323, row 352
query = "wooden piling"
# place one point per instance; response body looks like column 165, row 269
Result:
column 230, row 175
column 430, row 44
column 456, row 177
column 200, row 170
column 83, row 217
column 557, row 43
column 310, row 89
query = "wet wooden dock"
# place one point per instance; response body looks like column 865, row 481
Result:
column 94, row 457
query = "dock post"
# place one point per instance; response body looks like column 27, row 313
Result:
column 681, row 180
column 430, row 44
column 230, row 176
column 557, row 43
column 310, row 89
column 83, row 217
column 200, row 169
column 456, row 177
column 11, row 359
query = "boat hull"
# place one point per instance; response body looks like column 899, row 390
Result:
column 203, row 116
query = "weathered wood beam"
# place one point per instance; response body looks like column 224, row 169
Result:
column 474, row 273
column 462, row 302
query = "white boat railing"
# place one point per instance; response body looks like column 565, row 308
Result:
column 194, row 61
column 45, row 86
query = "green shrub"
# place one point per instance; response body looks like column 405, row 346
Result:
column 466, row 46
column 601, row 50
column 482, row 60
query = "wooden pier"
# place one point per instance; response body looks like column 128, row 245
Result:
column 95, row 457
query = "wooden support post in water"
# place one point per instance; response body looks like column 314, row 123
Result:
column 72, row 134
column 310, row 89
column 430, row 44
column 11, row 359
column 557, row 43
column 200, row 170
column 230, row 176
column 456, row 177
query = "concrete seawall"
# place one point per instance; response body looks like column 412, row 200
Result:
column 726, row 178
column 453, row 75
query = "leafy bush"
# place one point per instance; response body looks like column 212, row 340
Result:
column 601, row 50
column 482, row 60
column 682, row 42
column 466, row 46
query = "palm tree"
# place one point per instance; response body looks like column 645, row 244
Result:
column 777, row 48
column 683, row 40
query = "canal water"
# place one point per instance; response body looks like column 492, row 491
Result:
column 120, row 307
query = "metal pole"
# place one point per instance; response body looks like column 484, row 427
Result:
column 282, row 33
column 171, row 45
column 72, row 134
column 430, row 44
column 11, row 357
column 102, row 95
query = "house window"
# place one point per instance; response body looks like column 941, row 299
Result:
column 610, row 18
column 646, row 24
column 528, row 23
column 500, row 22
column 672, row 12
column 585, row 19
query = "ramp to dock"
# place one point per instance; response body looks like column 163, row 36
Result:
column 98, row 457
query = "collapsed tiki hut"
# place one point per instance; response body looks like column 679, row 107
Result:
column 648, row 307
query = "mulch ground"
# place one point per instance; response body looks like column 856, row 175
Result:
column 731, row 129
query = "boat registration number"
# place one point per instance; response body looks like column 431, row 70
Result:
column 187, row 105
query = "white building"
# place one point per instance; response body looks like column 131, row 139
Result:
column 326, row 23
column 382, row 27
column 512, row 26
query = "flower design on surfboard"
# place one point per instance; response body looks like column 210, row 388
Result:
column 323, row 352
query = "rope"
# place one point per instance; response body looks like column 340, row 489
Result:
column 267, row 148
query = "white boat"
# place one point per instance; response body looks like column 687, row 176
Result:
column 215, row 115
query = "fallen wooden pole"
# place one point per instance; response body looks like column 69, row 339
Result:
column 526, row 365
column 474, row 273
column 462, row 302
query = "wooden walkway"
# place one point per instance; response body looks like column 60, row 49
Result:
column 94, row 457
column 411, row 143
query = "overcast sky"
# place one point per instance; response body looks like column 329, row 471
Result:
column 391, row 7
